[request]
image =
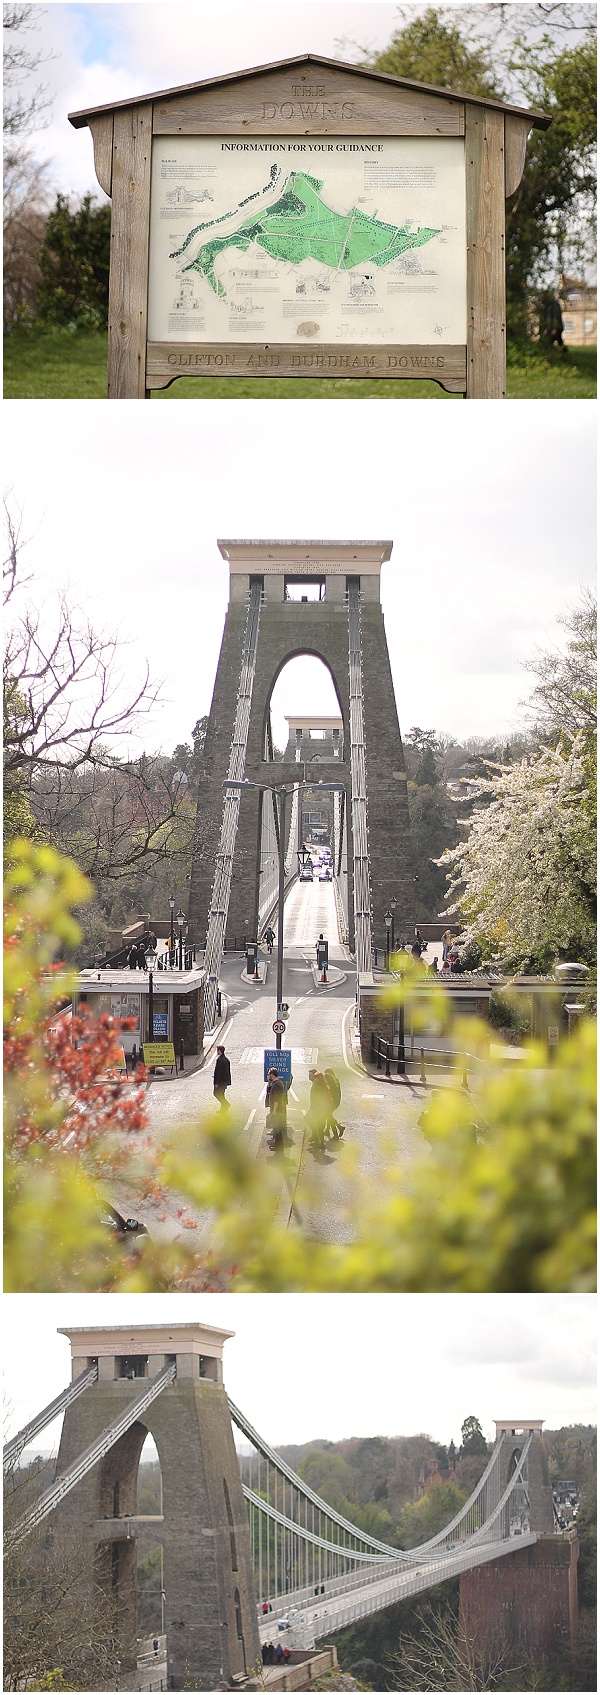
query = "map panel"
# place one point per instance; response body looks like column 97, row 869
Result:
column 300, row 240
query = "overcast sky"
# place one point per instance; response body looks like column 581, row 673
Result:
column 307, row 1366
column 103, row 52
column 491, row 521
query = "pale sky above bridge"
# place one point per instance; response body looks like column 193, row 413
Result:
column 492, row 523
column 308, row 1366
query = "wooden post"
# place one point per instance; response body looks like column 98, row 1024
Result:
column 130, row 225
column 486, row 297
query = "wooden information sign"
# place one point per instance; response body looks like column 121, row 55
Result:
column 308, row 218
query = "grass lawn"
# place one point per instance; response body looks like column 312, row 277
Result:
column 71, row 365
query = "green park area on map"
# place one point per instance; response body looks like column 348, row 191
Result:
column 300, row 226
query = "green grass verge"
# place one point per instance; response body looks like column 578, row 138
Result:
column 71, row 365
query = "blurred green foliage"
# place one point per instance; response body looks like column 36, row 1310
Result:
column 504, row 1200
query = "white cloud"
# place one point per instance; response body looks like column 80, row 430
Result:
column 105, row 52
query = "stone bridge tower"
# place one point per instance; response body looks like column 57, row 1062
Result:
column 210, row 1601
column 288, row 598
column 526, row 1600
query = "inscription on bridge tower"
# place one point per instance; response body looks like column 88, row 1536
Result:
column 268, row 622
column 210, row 1602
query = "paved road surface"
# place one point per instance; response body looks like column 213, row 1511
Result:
column 380, row 1121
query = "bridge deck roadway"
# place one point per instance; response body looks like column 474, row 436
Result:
column 381, row 1124
column 323, row 1614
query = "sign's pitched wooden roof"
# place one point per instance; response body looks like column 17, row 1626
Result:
column 79, row 119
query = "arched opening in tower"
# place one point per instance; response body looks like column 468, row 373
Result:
column 150, row 1559
column 304, row 731
column 304, row 688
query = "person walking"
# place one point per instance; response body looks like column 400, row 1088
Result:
column 446, row 946
column 319, row 1108
column 133, row 958
column 222, row 1079
column 335, row 1094
column 276, row 1105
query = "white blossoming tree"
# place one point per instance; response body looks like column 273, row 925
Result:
column 523, row 881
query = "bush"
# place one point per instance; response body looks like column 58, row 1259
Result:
column 74, row 265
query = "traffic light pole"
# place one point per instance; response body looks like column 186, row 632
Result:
column 281, row 900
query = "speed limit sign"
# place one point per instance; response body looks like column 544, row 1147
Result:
column 279, row 1027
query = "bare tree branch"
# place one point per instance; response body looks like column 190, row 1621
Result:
column 23, row 113
column 66, row 708
column 62, row 693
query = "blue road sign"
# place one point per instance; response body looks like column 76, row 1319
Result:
column 160, row 1022
column 279, row 1060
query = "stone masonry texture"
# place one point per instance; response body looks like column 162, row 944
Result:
column 286, row 630
column 527, row 1600
column 210, row 1606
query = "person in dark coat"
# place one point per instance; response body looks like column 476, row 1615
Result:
column 319, row 1109
column 335, row 1095
column 133, row 958
column 276, row 1105
column 222, row 1079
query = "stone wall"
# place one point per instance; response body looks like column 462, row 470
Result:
column 527, row 1599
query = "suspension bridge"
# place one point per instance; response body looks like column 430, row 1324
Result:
column 250, row 1548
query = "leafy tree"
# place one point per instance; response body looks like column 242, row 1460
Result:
column 550, row 218
column 426, row 773
column 564, row 699
column 431, row 48
column 419, row 1520
column 74, row 264
column 499, row 51
column 523, row 881
column 472, row 1437
column 188, row 758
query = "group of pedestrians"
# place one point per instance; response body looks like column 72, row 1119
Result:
column 325, row 1097
column 274, row 1656
column 136, row 958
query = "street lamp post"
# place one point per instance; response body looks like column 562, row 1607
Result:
column 180, row 922
column 389, row 919
column 151, row 958
column 172, row 909
column 393, row 905
column 280, row 904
